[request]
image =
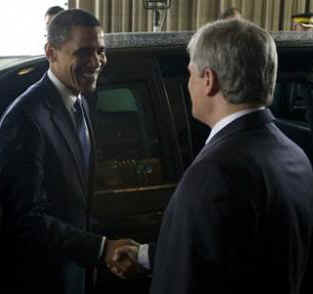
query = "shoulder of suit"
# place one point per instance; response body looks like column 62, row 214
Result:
column 27, row 103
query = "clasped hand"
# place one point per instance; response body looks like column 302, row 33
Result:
column 121, row 257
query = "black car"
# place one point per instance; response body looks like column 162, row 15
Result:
column 145, row 134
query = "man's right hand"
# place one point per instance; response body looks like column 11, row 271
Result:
column 121, row 257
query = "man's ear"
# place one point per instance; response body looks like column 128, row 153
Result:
column 211, row 81
column 51, row 52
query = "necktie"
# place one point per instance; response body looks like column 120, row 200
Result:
column 82, row 130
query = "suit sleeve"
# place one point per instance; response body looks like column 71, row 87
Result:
column 200, row 238
column 27, row 219
column 151, row 254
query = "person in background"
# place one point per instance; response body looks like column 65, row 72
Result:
column 47, row 163
column 302, row 22
column 51, row 12
column 230, row 13
column 240, row 220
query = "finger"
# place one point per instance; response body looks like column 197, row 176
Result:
column 121, row 253
column 124, row 265
column 128, row 242
column 133, row 242
column 129, row 252
column 117, row 272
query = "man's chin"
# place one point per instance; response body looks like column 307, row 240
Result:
column 88, row 89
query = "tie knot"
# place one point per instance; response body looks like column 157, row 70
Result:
column 77, row 105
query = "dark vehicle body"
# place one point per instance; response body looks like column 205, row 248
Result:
column 145, row 134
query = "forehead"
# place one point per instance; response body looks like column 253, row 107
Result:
column 84, row 36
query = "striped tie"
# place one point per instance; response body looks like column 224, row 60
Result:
column 83, row 133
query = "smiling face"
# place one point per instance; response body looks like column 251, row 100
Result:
column 78, row 62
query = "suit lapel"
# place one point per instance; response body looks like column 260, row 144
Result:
column 62, row 121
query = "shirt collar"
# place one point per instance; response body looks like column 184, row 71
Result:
column 228, row 119
column 67, row 96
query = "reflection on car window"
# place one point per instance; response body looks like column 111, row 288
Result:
column 128, row 148
column 290, row 99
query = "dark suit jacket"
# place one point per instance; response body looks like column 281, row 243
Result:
column 240, row 220
column 45, row 193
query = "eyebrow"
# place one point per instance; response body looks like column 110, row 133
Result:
column 87, row 49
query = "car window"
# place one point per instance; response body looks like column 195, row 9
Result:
column 128, row 146
column 294, row 84
column 290, row 99
column 191, row 133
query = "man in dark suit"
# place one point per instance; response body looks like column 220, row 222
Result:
column 240, row 220
column 47, row 167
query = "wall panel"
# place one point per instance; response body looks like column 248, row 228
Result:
column 129, row 15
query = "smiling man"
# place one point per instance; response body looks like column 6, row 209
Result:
column 47, row 166
column 77, row 62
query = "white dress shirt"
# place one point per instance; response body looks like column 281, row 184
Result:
column 228, row 119
column 68, row 97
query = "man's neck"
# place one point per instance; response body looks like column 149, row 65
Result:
column 225, row 109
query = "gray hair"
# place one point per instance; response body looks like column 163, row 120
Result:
column 242, row 55
column 60, row 28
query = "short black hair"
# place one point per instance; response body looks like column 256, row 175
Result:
column 54, row 10
column 61, row 25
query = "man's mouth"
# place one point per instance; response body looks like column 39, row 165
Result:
column 90, row 76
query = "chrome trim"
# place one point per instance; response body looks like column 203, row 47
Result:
column 137, row 189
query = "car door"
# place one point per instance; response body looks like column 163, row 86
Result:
column 293, row 94
column 138, row 164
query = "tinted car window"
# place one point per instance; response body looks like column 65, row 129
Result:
column 128, row 146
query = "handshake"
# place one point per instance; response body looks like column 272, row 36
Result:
column 121, row 257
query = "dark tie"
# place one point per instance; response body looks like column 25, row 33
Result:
column 82, row 130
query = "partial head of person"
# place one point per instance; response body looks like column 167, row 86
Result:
column 230, row 13
column 233, row 66
column 51, row 12
column 75, row 49
column 302, row 22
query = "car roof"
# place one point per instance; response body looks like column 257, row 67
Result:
column 177, row 39
column 293, row 38
column 149, row 40
column 13, row 61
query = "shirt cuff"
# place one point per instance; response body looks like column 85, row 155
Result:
column 101, row 247
column 143, row 256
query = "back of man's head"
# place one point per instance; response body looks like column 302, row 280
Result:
column 242, row 55
column 61, row 25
